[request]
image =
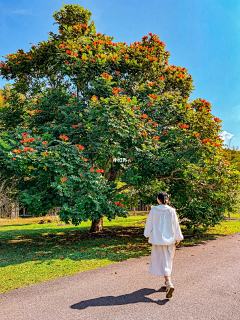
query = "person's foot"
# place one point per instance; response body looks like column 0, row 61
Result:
column 166, row 285
column 169, row 290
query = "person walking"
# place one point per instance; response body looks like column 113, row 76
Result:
column 164, row 233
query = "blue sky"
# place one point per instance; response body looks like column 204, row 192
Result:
column 201, row 35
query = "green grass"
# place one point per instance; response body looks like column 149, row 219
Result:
column 31, row 253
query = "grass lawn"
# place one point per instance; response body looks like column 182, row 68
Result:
column 31, row 253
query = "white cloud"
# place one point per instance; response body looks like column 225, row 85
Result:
column 226, row 137
column 21, row 11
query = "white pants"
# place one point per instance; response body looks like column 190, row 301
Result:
column 162, row 260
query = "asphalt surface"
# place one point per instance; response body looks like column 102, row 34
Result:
column 206, row 277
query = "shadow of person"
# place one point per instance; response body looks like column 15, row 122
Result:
column 134, row 297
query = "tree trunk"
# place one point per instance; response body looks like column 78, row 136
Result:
column 111, row 175
column 97, row 225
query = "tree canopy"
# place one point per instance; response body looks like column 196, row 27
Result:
column 96, row 113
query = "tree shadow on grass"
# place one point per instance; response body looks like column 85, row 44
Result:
column 134, row 297
column 50, row 244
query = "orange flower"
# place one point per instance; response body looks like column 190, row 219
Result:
column 63, row 179
column 92, row 170
column 94, row 98
column 17, row 150
column 79, row 146
column 63, row 137
column 227, row 163
column 105, row 75
column 116, row 90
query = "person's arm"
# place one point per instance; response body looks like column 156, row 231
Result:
column 178, row 233
column 149, row 225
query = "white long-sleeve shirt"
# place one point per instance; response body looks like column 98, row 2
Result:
column 162, row 226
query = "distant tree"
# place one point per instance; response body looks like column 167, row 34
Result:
column 147, row 194
column 233, row 156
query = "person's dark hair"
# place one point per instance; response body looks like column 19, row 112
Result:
column 163, row 196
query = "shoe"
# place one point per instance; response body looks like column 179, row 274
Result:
column 169, row 291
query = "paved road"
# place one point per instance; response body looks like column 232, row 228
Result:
column 207, row 286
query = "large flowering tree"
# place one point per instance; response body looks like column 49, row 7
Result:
column 97, row 112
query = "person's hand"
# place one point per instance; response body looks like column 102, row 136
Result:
column 177, row 243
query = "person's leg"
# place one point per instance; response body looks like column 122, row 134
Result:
column 169, row 262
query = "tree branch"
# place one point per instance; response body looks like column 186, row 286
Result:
column 123, row 188
column 106, row 164
column 171, row 176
